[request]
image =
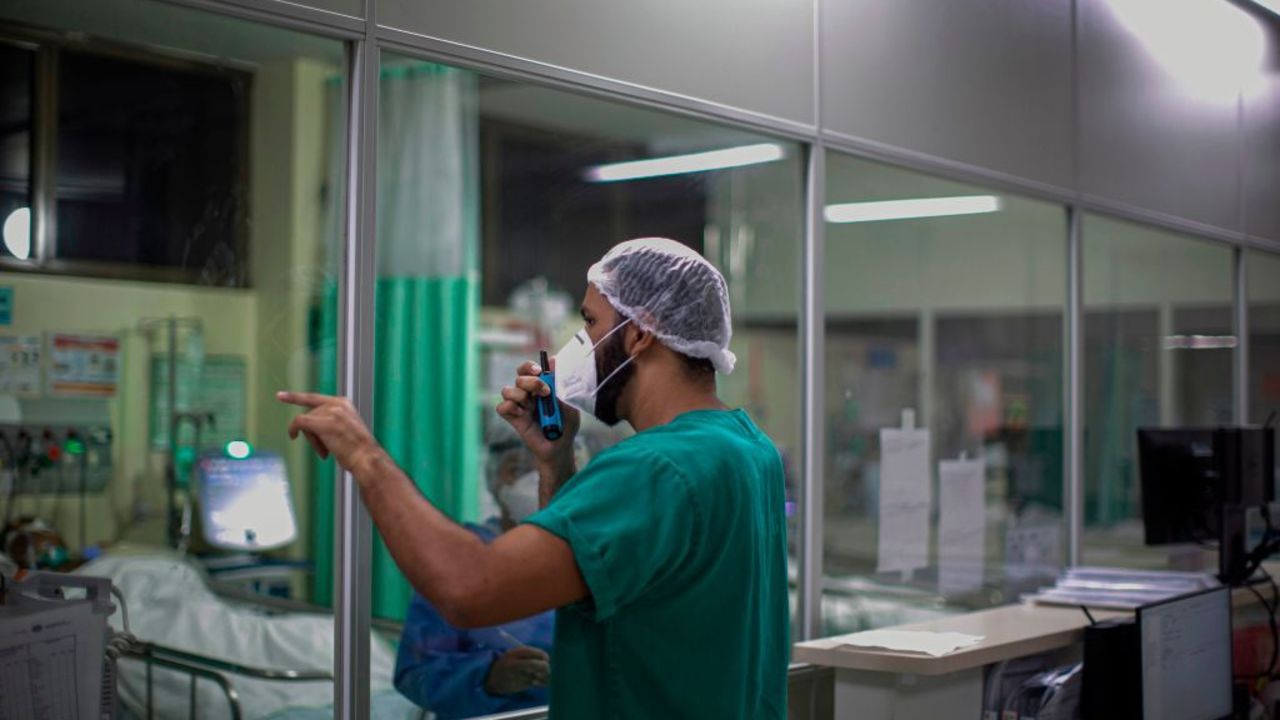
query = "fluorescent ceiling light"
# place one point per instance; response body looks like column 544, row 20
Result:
column 913, row 208
column 681, row 164
column 1200, row 342
column 1208, row 48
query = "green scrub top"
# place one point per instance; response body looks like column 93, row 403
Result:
column 680, row 534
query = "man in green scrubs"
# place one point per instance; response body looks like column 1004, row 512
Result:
column 665, row 555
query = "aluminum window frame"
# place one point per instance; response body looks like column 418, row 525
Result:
column 365, row 40
column 49, row 44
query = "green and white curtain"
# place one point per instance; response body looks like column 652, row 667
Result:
column 426, row 405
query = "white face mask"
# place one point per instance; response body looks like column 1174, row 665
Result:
column 576, row 370
column 520, row 498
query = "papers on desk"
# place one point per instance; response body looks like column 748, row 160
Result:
column 906, row 495
column 1119, row 588
column 936, row 644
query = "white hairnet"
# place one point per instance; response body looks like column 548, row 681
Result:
column 673, row 292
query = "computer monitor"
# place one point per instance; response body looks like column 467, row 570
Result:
column 1185, row 646
column 1181, row 495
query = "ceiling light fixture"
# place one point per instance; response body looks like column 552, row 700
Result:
column 912, row 208
column 682, row 164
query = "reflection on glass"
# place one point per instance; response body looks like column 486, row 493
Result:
column 494, row 199
column 151, row 163
column 1264, row 339
column 1157, row 353
column 191, row 142
column 943, row 300
column 17, row 73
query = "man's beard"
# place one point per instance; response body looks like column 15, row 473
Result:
column 609, row 357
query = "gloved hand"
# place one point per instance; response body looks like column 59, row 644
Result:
column 518, row 670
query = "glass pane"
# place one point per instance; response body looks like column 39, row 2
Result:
column 17, row 97
column 943, row 299
column 1264, row 339
column 152, row 164
column 488, row 218
column 195, row 502
column 1158, row 348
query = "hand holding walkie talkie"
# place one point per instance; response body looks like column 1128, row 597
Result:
column 547, row 408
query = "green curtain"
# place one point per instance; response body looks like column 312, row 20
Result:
column 426, row 406
column 1114, row 420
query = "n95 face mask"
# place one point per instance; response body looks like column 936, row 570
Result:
column 576, row 370
column 520, row 498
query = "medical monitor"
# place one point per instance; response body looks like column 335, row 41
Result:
column 245, row 502
column 1185, row 645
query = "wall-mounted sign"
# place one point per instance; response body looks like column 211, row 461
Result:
column 20, row 365
column 83, row 365
column 6, row 305
column 218, row 385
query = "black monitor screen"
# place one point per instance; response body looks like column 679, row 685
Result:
column 1179, row 485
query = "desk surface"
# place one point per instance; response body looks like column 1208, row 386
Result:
column 1008, row 631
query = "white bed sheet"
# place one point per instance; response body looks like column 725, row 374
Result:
column 170, row 604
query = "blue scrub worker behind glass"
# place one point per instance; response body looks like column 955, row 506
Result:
column 458, row 673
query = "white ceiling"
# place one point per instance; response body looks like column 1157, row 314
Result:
column 236, row 41
column 577, row 114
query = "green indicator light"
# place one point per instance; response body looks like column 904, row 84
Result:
column 239, row 449
column 74, row 447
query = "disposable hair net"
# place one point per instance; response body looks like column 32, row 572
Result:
column 673, row 292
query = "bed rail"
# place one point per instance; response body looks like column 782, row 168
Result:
column 215, row 670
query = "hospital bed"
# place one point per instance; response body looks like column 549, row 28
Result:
column 214, row 652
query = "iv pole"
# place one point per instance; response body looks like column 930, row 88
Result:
column 174, row 516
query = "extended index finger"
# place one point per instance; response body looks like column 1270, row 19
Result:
column 304, row 399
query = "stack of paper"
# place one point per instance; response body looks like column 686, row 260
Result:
column 1120, row 589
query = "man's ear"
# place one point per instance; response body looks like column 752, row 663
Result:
column 638, row 340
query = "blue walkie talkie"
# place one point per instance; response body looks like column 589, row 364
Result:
column 547, row 408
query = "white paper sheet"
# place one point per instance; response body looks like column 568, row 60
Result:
column 45, row 658
column 936, row 644
column 962, row 525
column 906, row 495
column 1033, row 550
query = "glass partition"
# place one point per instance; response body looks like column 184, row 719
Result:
column 494, row 197
column 1264, row 339
column 184, row 277
column 944, row 307
column 1157, row 353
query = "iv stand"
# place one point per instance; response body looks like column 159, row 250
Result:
column 173, row 514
